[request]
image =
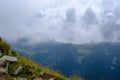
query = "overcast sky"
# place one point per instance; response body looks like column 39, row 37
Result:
column 69, row 21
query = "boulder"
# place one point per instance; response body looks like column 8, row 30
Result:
column 9, row 58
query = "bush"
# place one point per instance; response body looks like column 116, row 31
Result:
column 4, row 46
column 13, row 53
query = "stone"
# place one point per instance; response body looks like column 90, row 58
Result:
column 9, row 58
column 18, row 70
column 2, row 78
column 38, row 79
column 7, row 66
column 52, row 79
column 14, row 79
column 46, row 76
column 22, row 79
column 41, row 73
column 33, row 75
column 2, row 70
column 2, row 63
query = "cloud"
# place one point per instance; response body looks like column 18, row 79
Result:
column 71, row 15
column 69, row 21
column 89, row 17
column 113, row 28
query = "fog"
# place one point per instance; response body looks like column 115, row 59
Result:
column 68, row 21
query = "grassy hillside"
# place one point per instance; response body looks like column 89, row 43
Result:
column 30, row 68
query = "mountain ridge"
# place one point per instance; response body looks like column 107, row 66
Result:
column 91, row 61
column 15, row 67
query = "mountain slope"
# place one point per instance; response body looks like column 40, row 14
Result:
column 14, row 66
column 91, row 61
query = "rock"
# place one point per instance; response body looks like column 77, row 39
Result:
column 46, row 76
column 52, row 79
column 2, row 70
column 19, row 78
column 18, row 70
column 14, row 79
column 41, row 73
column 33, row 75
column 7, row 66
column 38, row 79
column 2, row 78
column 22, row 79
column 9, row 58
column 2, row 63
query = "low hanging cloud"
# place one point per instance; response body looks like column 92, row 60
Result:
column 68, row 21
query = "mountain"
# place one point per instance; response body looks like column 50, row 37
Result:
column 100, row 61
column 16, row 67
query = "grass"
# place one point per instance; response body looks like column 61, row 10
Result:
column 76, row 78
column 29, row 68
column 54, row 73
